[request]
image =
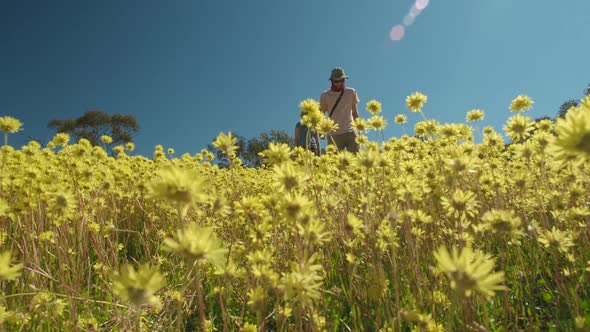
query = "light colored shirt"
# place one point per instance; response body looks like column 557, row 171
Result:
column 343, row 113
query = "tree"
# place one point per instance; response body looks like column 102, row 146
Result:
column 248, row 149
column 565, row 106
column 258, row 144
column 94, row 123
column 221, row 158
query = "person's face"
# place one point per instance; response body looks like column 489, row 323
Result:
column 338, row 82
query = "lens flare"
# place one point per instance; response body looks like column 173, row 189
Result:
column 409, row 20
column 421, row 4
column 415, row 11
column 397, row 32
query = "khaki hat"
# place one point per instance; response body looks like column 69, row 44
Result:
column 337, row 73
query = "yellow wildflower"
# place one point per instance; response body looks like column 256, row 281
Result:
column 373, row 107
column 178, row 186
column 360, row 124
column 226, row 143
column 4, row 208
column 129, row 146
column 573, row 136
column 8, row 271
column 198, row 243
column 502, row 221
column 106, row 139
column 61, row 139
column 474, row 115
column 519, row 127
column 9, row 124
column 521, row 104
column 303, row 283
column 554, row 238
column 377, row 122
column 138, row 287
column 276, row 153
column 401, row 119
column 326, row 126
column 416, row 101
column 288, row 176
column 469, row 271
column 309, row 106
column 463, row 203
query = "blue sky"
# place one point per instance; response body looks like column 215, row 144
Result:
column 189, row 69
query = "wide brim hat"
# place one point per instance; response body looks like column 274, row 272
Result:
column 337, row 74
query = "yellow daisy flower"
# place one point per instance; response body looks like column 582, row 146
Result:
column 474, row 115
column 138, row 286
column 198, row 243
column 469, row 271
column 373, row 107
column 416, row 101
column 401, row 119
column 573, row 136
column 521, row 104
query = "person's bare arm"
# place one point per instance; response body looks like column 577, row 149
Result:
column 355, row 112
column 323, row 105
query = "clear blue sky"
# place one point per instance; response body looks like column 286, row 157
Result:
column 189, row 69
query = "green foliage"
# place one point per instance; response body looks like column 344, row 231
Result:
column 565, row 106
column 248, row 150
column 94, row 124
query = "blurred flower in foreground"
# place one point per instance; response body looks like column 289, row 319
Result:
column 8, row 272
column 3, row 207
column 469, row 271
column 138, row 287
column 573, row 134
column 304, row 282
column 198, row 243
column 180, row 187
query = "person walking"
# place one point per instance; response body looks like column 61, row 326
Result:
column 340, row 103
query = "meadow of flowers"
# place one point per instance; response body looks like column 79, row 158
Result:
column 426, row 232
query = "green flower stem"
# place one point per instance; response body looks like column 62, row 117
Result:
column 223, row 312
column 202, row 317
